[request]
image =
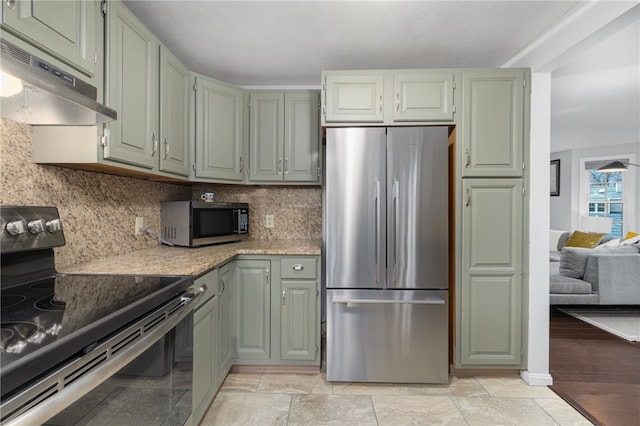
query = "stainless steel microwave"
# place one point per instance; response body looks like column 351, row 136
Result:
column 196, row 223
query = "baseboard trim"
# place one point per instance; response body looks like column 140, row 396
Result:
column 463, row 372
column 275, row 369
column 536, row 379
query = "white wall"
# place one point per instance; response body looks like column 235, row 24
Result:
column 537, row 372
column 560, row 205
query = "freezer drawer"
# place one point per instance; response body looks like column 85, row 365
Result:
column 398, row 336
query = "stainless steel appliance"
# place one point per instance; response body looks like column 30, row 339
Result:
column 386, row 254
column 196, row 223
column 46, row 95
column 81, row 342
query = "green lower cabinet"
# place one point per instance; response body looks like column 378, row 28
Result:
column 225, row 318
column 252, row 310
column 204, row 374
column 298, row 324
column 276, row 303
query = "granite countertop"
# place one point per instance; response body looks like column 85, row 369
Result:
column 166, row 260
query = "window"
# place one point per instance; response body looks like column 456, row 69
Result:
column 606, row 195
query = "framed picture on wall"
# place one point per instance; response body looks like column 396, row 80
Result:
column 555, row 178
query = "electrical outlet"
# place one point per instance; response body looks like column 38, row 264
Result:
column 139, row 224
column 269, row 221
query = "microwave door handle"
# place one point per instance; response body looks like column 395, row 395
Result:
column 238, row 220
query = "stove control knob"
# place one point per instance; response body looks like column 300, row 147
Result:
column 17, row 227
column 36, row 226
column 54, row 225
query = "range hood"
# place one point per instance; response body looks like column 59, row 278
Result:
column 35, row 92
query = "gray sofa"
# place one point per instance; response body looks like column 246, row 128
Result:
column 598, row 276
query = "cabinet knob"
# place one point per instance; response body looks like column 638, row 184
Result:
column 16, row 227
column 203, row 289
column 11, row 3
column 298, row 267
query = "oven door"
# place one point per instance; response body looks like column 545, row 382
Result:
column 142, row 375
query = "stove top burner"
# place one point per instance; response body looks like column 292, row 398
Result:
column 17, row 335
column 48, row 303
column 11, row 299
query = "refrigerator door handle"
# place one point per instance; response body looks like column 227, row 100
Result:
column 427, row 301
column 376, row 206
column 394, row 242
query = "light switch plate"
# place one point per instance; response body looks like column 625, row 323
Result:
column 269, row 221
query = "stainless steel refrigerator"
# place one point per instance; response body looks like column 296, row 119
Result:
column 386, row 222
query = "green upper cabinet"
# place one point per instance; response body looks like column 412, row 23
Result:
column 133, row 89
column 493, row 123
column 426, row 96
column 175, row 90
column 353, row 98
column 490, row 301
column 219, row 135
column 284, row 137
column 64, row 29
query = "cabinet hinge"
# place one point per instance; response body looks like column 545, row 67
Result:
column 454, row 85
column 524, row 166
column 95, row 57
column 195, row 87
column 317, row 348
column 318, row 172
column 453, row 109
column 524, row 191
column 193, row 166
column 103, row 8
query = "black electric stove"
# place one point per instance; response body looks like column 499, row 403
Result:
column 49, row 318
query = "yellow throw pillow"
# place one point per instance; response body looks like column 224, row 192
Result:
column 584, row 239
column 630, row 235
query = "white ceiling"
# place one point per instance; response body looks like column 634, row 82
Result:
column 269, row 43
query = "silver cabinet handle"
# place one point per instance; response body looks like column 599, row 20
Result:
column 166, row 147
column 298, row 267
column 427, row 301
column 467, row 154
column 380, row 103
column 241, row 164
column 468, row 203
column 286, row 165
column 397, row 102
column 284, row 292
column 279, row 165
column 266, row 272
column 223, row 286
column 154, row 140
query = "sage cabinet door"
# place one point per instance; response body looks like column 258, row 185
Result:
column 284, row 136
column 301, row 137
column 225, row 319
column 203, row 350
column 218, row 151
column 300, row 308
column 490, row 301
column 133, row 89
column 354, row 98
column 65, row 29
column 266, row 130
column 298, row 325
column 174, row 114
column 423, row 97
column 493, row 123
column 252, row 310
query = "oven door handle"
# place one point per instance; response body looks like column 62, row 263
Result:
column 165, row 318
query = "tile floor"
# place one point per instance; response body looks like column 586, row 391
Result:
column 289, row 399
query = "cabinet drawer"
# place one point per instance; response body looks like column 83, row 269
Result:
column 298, row 268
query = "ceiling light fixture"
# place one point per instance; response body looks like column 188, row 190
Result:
column 616, row 166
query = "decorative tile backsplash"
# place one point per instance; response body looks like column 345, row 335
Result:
column 99, row 210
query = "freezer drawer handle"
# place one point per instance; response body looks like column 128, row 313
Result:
column 428, row 301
